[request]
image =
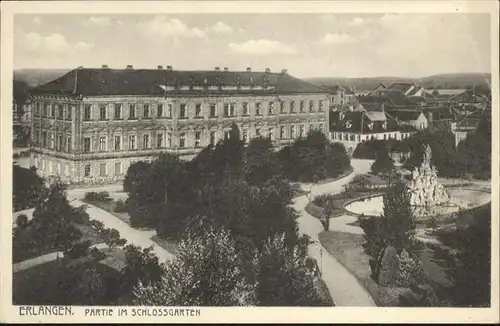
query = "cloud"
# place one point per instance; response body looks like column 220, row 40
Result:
column 98, row 21
column 262, row 47
column 160, row 26
column 83, row 46
column 52, row 45
column 37, row 20
column 222, row 28
column 358, row 21
column 336, row 38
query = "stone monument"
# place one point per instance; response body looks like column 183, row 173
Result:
column 425, row 192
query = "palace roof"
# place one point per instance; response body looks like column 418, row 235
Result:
column 160, row 82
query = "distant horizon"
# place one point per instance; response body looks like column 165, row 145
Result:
column 290, row 72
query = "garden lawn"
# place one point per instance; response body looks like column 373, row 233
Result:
column 41, row 285
column 169, row 245
column 109, row 206
column 323, row 291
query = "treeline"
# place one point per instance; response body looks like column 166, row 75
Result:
column 230, row 209
column 471, row 157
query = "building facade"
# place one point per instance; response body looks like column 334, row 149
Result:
column 89, row 125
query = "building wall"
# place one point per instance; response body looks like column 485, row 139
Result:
column 87, row 132
column 351, row 140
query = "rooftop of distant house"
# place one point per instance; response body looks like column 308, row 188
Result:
column 158, row 82
column 365, row 122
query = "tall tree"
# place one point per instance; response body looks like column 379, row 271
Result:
column 27, row 188
column 383, row 164
column 282, row 276
column 261, row 161
column 205, row 272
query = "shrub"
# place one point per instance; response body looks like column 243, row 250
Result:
column 410, row 270
column 321, row 200
column 98, row 225
column 78, row 250
column 96, row 254
column 121, row 206
column 389, row 267
column 22, row 221
column 97, row 196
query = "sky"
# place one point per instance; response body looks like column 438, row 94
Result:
column 307, row 45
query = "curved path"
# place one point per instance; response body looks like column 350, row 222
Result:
column 343, row 286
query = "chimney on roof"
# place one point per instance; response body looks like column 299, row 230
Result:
column 217, row 69
column 130, row 67
column 160, row 67
column 284, row 71
column 226, row 69
column 268, row 70
column 169, row 68
column 105, row 66
column 249, row 69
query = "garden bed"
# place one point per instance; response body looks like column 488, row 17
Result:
column 347, row 249
column 109, row 206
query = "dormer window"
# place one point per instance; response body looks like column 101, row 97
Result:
column 341, row 116
column 384, row 125
column 370, row 125
column 348, row 124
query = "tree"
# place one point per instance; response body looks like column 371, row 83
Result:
column 282, row 276
column 205, row 272
column 361, row 182
column 466, row 259
column 27, row 188
column 54, row 218
column 396, row 228
column 22, row 221
column 383, row 163
column 261, row 161
column 141, row 265
column 135, row 175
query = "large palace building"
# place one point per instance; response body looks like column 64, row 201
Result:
column 89, row 125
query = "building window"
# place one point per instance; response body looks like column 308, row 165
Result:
column 131, row 142
column 227, row 134
column 320, row 126
column 245, row 108
column 118, row 143
column 44, row 138
column 102, row 144
column 292, row 132
column 182, row 140
column 282, row 107
column 145, row 141
column 131, row 113
column 37, row 109
column 182, row 114
column 102, row 112
column 226, row 110
column 53, row 111
column 282, row 132
column 102, row 169
column 301, row 103
column 258, row 132
column 159, row 140
column 257, row 109
column 69, row 112
column 169, row 110
column 245, row 135
column 301, row 131
column 271, row 108
column 118, row 168
column 270, row 133
column 60, row 112
column 292, row 107
column 213, row 111
column 321, row 106
column 213, row 138
column 66, row 170
column 311, row 106
column 159, row 110
column 68, row 143
column 145, row 111
column 86, row 171
column 351, row 137
column 52, row 141
column 59, row 142
column 118, row 111
column 87, row 112
column 169, row 139
column 197, row 137
column 45, row 110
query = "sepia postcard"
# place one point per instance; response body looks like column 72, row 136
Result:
column 249, row 161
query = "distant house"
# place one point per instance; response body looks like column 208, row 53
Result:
column 466, row 125
column 352, row 128
column 376, row 90
column 416, row 119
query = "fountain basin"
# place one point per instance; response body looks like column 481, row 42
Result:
column 459, row 198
